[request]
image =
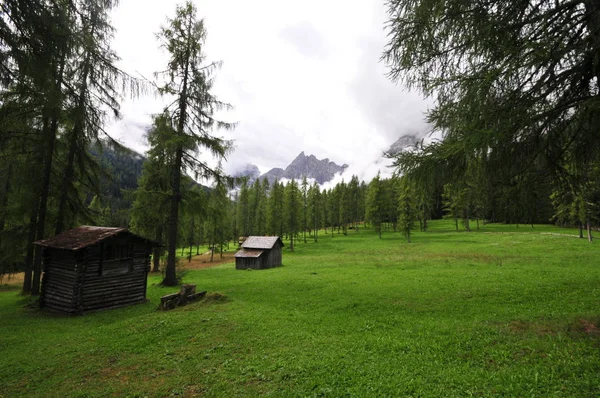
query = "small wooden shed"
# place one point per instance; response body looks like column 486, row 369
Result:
column 259, row 252
column 94, row 268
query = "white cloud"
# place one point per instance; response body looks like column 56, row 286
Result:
column 302, row 76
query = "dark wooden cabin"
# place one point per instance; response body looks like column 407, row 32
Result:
column 94, row 268
column 259, row 252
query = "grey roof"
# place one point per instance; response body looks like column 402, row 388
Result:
column 249, row 253
column 80, row 237
column 261, row 242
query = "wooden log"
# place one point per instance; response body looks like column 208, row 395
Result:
column 169, row 301
column 187, row 293
column 196, row 296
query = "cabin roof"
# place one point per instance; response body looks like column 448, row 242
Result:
column 261, row 242
column 249, row 253
column 83, row 236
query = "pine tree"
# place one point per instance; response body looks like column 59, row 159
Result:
column 304, row 214
column 315, row 209
column 189, row 81
column 243, row 210
column 292, row 210
column 407, row 211
column 374, row 204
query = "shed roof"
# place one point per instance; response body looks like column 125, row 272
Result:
column 261, row 242
column 80, row 237
column 249, row 253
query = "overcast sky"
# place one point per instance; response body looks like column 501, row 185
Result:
column 302, row 76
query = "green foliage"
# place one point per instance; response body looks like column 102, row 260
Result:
column 57, row 84
column 189, row 79
column 292, row 203
column 276, row 210
column 218, row 217
column 407, row 210
column 516, row 92
column 373, row 204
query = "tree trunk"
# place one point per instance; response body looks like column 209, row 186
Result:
column 4, row 197
column 66, row 182
column 75, row 133
column 157, row 251
column 28, row 277
column 212, row 245
column 170, row 272
column 580, row 230
column 43, row 203
column 589, row 230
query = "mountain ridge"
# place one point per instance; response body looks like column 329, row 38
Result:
column 309, row 166
column 321, row 170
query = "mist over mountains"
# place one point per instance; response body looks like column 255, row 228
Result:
column 320, row 170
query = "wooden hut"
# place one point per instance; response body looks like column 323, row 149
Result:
column 94, row 268
column 259, row 252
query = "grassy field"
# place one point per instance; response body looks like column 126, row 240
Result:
column 504, row 311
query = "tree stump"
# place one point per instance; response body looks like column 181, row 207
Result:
column 187, row 293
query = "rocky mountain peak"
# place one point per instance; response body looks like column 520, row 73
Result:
column 402, row 143
column 309, row 166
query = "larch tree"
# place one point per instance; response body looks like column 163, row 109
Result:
column 94, row 89
column 304, row 190
column 314, row 209
column 152, row 195
column 243, row 209
column 374, row 204
column 516, row 83
column 407, row 210
column 188, row 85
column 292, row 210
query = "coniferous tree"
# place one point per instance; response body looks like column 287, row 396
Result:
column 374, row 204
column 314, row 209
column 407, row 211
column 189, row 82
column 304, row 191
column 292, row 210
column 243, row 210
column 149, row 209
column 275, row 214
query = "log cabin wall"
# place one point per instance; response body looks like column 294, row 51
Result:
column 60, row 281
column 114, row 283
column 76, row 282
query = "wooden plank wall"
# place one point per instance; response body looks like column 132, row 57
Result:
column 269, row 259
column 59, row 280
column 247, row 262
column 73, row 282
column 116, row 290
column 273, row 257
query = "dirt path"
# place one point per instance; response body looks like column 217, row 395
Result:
column 203, row 260
column 198, row 262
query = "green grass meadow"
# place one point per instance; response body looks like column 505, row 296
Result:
column 503, row 311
